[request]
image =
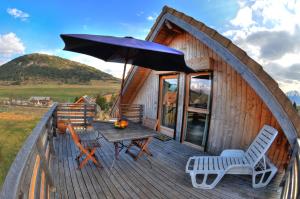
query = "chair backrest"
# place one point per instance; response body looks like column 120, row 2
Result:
column 74, row 135
column 260, row 145
column 150, row 123
column 80, row 115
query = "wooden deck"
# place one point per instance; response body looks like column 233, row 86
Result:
column 163, row 178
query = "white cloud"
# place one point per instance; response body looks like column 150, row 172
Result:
column 289, row 86
column 18, row 13
column 10, row 45
column 243, row 17
column 150, row 18
column 115, row 69
column 288, row 59
column 269, row 31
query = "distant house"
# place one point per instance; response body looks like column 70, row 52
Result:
column 86, row 99
column 40, row 101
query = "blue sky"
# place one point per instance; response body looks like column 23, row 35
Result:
column 34, row 26
column 41, row 29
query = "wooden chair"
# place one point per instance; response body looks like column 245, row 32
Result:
column 142, row 144
column 86, row 147
column 150, row 123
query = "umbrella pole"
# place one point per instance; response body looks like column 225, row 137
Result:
column 121, row 91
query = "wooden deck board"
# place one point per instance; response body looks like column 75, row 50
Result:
column 91, row 191
column 82, row 186
column 132, row 190
column 141, row 171
column 62, row 181
column 164, row 178
column 69, row 182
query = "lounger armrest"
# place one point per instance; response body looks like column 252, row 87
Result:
column 270, row 164
column 187, row 170
column 233, row 153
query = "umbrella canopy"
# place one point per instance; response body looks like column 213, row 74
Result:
column 127, row 50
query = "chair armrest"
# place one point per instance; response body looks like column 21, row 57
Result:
column 233, row 153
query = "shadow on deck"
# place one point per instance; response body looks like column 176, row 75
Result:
column 136, row 179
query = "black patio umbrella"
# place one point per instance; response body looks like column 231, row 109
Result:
column 127, row 50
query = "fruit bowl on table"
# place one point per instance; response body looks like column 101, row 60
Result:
column 121, row 124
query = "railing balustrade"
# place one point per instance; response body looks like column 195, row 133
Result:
column 78, row 114
column 30, row 174
column 291, row 183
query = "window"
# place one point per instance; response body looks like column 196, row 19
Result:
column 197, row 113
column 199, row 91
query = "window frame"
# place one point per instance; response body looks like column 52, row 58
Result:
column 188, row 108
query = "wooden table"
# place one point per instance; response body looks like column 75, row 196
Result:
column 139, row 136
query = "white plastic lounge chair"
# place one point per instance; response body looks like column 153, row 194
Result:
column 253, row 162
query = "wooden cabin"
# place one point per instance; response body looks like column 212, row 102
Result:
column 40, row 101
column 86, row 99
column 220, row 106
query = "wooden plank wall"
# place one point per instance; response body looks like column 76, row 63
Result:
column 237, row 111
column 238, row 114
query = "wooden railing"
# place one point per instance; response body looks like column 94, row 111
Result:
column 291, row 183
column 77, row 114
column 133, row 112
column 29, row 175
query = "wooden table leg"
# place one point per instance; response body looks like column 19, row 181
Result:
column 116, row 150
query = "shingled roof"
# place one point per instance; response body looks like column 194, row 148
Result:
column 263, row 79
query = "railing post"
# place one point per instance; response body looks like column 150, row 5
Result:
column 85, row 122
column 95, row 111
column 44, row 164
column 54, row 122
column 49, row 131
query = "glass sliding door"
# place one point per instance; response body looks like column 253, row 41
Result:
column 168, row 104
column 197, row 113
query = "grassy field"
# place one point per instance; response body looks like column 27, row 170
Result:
column 59, row 93
column 16, row 123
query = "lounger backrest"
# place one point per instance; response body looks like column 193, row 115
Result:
column 260, row 145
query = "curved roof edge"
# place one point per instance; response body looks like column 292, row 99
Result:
column 263, row 84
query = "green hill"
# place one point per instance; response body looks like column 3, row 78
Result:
column 41, row 68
